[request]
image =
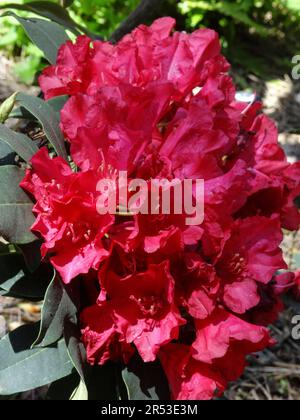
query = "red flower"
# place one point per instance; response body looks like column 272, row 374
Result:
column 67, row 218
column 140, row 308
column 224, row 335
column 271, row 305
column 160, row 105
column 100, row 337
column 251, row 255
column 188, row 378
column 276, row 183
column 68, row 76
column 197, row 285
column 145, row 56
column 104, row 126
column 207, row 126
column 218, row 356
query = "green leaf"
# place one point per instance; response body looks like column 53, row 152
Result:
column 293, row 4
column 4, row 294
column 67, row 3
column 32, row 255
column 26, row 69
column 75, row 347
column 145, row 381
column 6, row 107
column 18, row 142
column 58, row 102
column 48, row 118
column 77, row 354
column 58, row 306
column 47, row 36
column 48, row 10
column 80, row 393
column 7, row 156
column 15, row 280
column 16, row 215
column 297, row 202
column 63, row 389
column 23, row 368
column 20, row 113
column 236, row 12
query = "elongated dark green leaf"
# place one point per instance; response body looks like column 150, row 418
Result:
column 7, row 156
column 49, row 10
column 23, row 368
column 145, row 381
column 77, row 354
column 48, row 118
column 20, row 113
column 15, row 280
column 75, row 347
column 58, row 102
column 58, row 306
column 67, row 3
column 32, row 254
column 63, row 389
column 16, row 215
column 80, row 393
column 18, row 142
column 47, row 36
column 3, row 292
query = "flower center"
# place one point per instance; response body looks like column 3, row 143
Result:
column 150, row 306
column 78, row 232
column 237, row 264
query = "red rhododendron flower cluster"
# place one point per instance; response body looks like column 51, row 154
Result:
column 160, row 104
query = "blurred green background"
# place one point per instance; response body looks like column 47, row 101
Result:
column 259, row 36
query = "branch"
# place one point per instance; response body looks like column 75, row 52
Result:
column 145, row 10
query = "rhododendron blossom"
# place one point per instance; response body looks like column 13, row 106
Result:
column 197, row 299
column 155, row 197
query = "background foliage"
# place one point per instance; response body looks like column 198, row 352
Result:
column 258, row 35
